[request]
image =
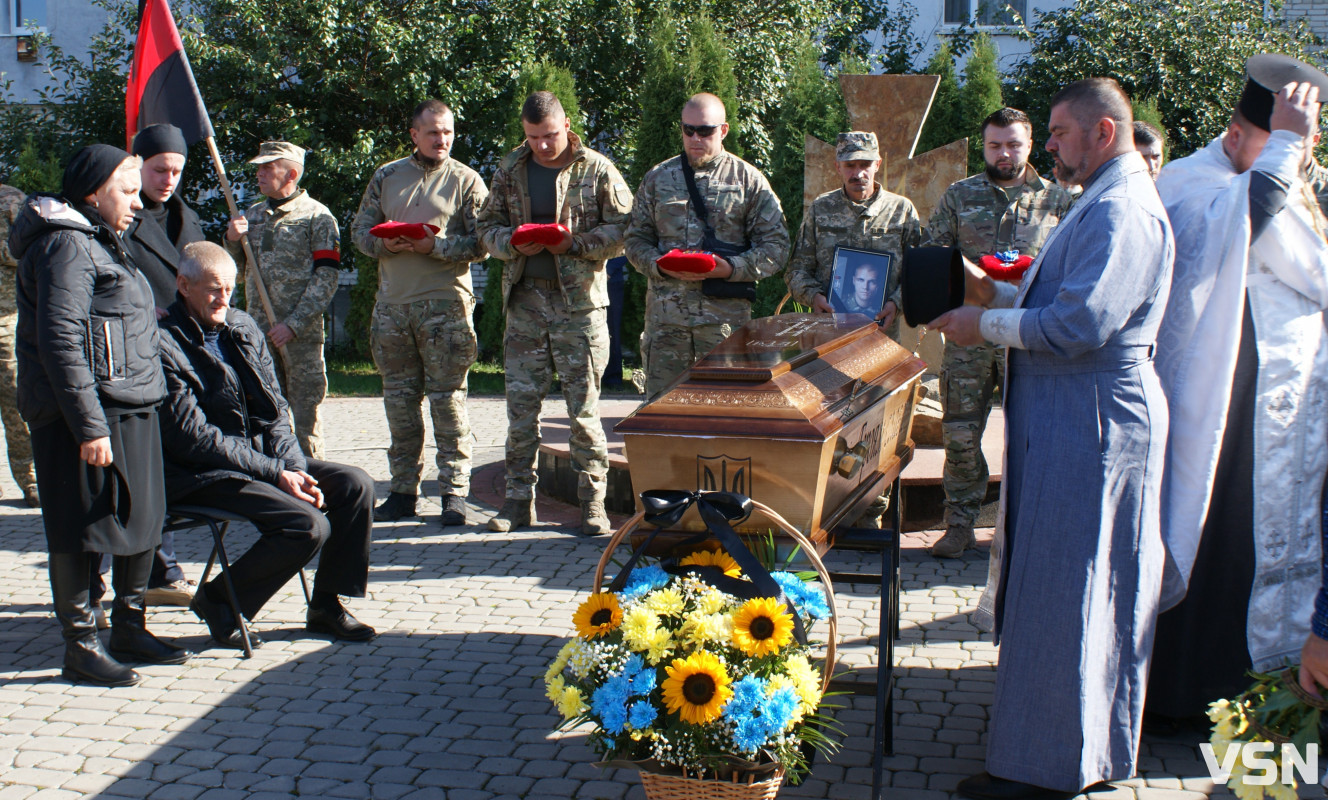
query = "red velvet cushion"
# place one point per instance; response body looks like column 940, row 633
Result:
column 1005, row 270
column 545, row 234
column 686, row 261
column 410, row 230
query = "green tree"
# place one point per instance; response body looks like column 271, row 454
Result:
column 979, row 97
column 1186, row 55
column 944, row 123
column 707, row 67
column 663, row 92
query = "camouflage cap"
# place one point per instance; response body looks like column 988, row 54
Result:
column 857, row 146
column 271, row 151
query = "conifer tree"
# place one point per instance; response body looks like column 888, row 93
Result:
column 663, row 92
column 980, row 96
column 542, row 76
column 943, row 123
column 709, row 68
column 812, row 105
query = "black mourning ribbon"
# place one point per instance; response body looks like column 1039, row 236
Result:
column 665, row 507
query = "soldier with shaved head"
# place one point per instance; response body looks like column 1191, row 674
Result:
column 710, row 200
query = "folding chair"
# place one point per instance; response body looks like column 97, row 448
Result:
column 186, row 517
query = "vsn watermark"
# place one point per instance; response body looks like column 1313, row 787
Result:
column 1263, row 768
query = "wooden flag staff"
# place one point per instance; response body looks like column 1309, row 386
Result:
column 251, row 261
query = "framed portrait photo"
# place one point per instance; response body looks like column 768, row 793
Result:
column 857, row 285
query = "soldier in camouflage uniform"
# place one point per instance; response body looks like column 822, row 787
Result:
column 16, row 430
column 297, row 244
column 423, row 335
column 556, row 299
column 1006, row 207
column 686, row 317
column 862, row 215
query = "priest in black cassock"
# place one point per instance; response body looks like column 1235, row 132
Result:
column 1243, row 357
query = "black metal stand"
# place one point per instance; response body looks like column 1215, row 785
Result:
column 886, row 542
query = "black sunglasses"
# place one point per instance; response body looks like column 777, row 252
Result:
column 704, row 131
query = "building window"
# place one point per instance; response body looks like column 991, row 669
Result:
column 27, row 16
column 985, row 12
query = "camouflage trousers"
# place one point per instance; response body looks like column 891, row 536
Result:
column 303, row 377
column 16, row 430
column 543, row 336
column 426, row 348
column 669, row 350
column 969, row 377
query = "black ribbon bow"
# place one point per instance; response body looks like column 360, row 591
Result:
column 665, row 507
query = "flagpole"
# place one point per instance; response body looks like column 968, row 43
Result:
column 250, row 261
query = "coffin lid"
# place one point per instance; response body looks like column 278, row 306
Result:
column 800, row 375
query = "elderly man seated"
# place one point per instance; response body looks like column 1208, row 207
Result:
column 228, row 441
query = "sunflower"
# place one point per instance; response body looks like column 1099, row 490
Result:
column 762, row 626
column 697, row 687
column 706, row 558
column 598, row 615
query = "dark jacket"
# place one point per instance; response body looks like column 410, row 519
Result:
column 155, row 252
column 87, row 333
column 218, row 423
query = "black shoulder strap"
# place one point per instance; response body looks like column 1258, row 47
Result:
column 698, row 202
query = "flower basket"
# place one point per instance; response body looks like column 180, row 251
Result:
column 698, row 670
column 682, row 787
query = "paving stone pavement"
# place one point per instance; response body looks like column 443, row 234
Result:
column 447, row 702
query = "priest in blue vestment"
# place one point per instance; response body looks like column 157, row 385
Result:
column 1077, row 563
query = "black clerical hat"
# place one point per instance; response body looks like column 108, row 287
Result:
column 932, row 283
column 1266, row 74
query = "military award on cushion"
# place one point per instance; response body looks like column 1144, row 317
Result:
column 695, row 261
column 410, row 230
column 536, row 233
column 1007, row 265
column 857, row 285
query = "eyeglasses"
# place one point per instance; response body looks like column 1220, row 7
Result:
column 703, row 131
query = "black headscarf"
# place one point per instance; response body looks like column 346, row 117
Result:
column 157, row 139
column 89, row 169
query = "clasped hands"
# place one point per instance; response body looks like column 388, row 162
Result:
column 533, row 248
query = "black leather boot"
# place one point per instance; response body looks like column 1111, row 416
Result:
column 130, row 640
column 85, row 660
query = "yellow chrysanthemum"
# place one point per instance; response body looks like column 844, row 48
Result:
column 666, row 602
column 1236, row 783
column 1220, row 710
column 711, row 602
column 697, row 687
column 553, row 688
column 1282, row 791
column 706, row 558
column 806, row 681
column 559, row 661
column 599, row 615
column 700, row 629
column 659, row 646
column 639, row 626
column 762, row 626
column 570, row 703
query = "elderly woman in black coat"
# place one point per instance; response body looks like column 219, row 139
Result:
column 90, row 380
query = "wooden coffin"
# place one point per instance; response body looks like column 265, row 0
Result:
column 807, row 413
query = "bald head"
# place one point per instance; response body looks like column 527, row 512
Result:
column 706, row 103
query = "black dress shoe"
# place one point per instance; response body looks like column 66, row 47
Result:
column 338, row 624
column 221, row 622
column 396, row 506
column 985, row 786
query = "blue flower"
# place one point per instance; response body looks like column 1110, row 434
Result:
column 808, row 599
column 749, row 734
column 779, row 709
column 633, row 664
column 644, row 579
column 756, row 717
column 644, row 682
column 748, row 694
column 642, row 715
column 609, row 703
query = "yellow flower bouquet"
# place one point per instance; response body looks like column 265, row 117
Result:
column 684, row 667
column 1281, row 720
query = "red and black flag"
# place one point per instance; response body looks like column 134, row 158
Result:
column 161, row 84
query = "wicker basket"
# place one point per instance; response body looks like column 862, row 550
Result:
column 674, row 787
column 809, row 549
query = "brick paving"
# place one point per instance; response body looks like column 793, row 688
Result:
column 447, row 702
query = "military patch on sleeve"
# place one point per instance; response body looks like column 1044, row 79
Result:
column 622, row 195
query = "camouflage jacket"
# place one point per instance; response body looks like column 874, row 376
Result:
column 885, row 223
column 297, row 245
column 981, row 218
column 448, row 195
column 743, row 210
column 593, row 202
column 1317, row 178
column 11, row 203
